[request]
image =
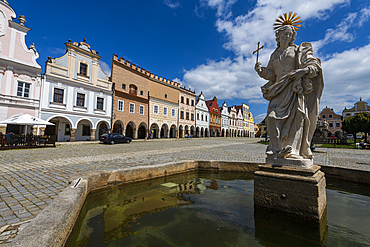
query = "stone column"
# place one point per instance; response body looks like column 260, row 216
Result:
column 73, row 133
column 134, row 135
column 92, row 135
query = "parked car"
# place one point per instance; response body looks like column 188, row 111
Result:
column 114, row 138
column 359, row 136
column 349, row 136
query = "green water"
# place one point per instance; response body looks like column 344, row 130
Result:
column 208, row 209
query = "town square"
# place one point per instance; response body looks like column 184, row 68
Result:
column 198, row 123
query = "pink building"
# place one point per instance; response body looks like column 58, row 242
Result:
column 20, row 74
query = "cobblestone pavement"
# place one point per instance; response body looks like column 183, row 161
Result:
column 30, row 179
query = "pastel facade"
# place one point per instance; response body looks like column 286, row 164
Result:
column 240, row 123
column 20, row 74
column 359, row 106
column 163, row 107
column 214, row 118
column 202, row 117
column 76, row 95
column 131, row 99
column 233, row 121
column 187, row 113
column 224, row 120
column 334, row 120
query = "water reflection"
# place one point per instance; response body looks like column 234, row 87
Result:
column 213, row 209
column 275, row 227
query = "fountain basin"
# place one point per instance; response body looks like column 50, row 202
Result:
column 53, row 225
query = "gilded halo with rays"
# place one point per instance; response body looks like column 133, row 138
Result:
column 288, row 19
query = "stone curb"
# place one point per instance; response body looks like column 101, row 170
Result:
column 53, row 225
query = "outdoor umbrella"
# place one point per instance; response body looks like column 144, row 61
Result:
column 25, row 119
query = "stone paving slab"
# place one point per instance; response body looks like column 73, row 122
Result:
column 31, row 178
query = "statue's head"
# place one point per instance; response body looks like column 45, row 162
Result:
column 286, row 28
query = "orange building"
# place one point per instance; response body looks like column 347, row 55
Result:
column 130, row 100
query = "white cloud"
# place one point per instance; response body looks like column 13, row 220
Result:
column 257, row 119
column 172, row 5
column 339, row 33
column 105, row 67
column 346, row 77
column 365, row 14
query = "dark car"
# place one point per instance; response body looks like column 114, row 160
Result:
column 115, row 138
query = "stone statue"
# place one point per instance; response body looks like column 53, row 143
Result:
column 294, row 88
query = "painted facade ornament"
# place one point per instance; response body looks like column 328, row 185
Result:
column 294, row 88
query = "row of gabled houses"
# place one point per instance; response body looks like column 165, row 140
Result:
column 80, row 99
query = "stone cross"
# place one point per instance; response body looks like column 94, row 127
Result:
column 258, row 48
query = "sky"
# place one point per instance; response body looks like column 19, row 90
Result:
column 207, row 45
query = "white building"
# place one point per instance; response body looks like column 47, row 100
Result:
column 20, row 74
column 224, row 120
column 76, row 95
column 202, row 117
column 240, row 123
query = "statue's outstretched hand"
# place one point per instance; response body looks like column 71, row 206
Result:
column 258, row 67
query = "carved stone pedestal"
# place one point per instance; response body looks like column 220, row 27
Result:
column 292, row 189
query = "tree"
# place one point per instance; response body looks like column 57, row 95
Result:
column 357, row 123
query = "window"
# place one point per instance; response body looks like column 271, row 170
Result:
column 187, row 116
column 99, row 103
column 80, row 99
column 330, row 125
column 83, row 69
column 182, row 114
column 156, row 108
column 67, row 130
column 165, row 111
column 132, row 108
column 197, row 116
column 165, row 96
column 192, row 102
column 330, row 116
column 203, row 118
column 124, row 86
column 182, row 99
column 187, row 101
column 173, row 113
column 86, row 130
column 120, row 105
column 58, row 95
column 141, row 92
column 141, row 110
column 23, row 89
column 323, row 116
column 337, row 125
column 192, row 117
column 206, row 119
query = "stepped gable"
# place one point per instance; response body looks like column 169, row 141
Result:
column 144, row 72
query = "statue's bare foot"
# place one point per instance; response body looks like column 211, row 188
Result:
column 285, row 152
column 294, row 156
column 269, row 153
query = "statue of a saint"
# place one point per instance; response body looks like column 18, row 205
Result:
column 294, row 88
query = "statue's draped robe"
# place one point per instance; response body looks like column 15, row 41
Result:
column 294, row 104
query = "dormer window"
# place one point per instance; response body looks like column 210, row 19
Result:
column 83, row 69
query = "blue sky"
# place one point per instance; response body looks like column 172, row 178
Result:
column 207, row 45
